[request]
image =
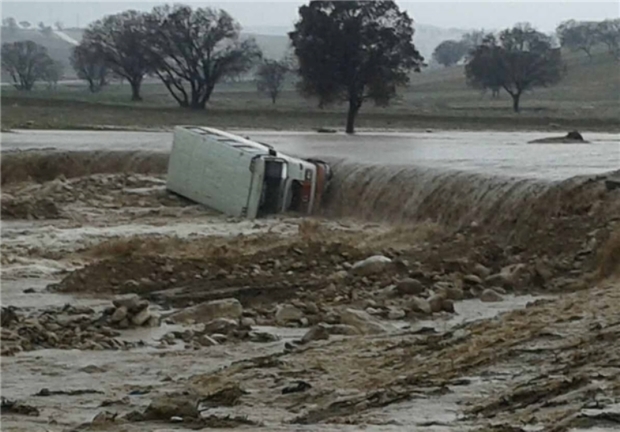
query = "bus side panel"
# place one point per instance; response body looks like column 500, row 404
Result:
column 209, row 173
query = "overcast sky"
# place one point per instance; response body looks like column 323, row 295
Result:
column 463, row 14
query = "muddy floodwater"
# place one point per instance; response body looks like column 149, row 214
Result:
column 495, row 153
column 453, row 281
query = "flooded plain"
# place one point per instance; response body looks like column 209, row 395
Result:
column 493, row 153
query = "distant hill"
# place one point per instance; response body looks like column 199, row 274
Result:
column 273, row 40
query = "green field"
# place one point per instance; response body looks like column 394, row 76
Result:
column 587, row 98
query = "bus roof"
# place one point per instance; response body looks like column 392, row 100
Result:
column 228, row 139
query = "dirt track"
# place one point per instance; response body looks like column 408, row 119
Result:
column 313, row 339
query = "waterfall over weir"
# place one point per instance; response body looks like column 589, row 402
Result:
column 382, row 193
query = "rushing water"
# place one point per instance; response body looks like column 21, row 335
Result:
column 495, row 153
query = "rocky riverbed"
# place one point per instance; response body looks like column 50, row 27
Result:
column 127, row 308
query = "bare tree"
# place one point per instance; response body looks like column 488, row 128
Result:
column 10, row 23
column 121, row 40
column 88, row 63
column 578, row 36
column 608, row 32
column 521, row 60
column 26, row 62
column 191, row 50
column 45, row 29
column 59, row 25
column 270, row 77
column 53, row 73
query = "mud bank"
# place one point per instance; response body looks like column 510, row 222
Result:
column 419, row 299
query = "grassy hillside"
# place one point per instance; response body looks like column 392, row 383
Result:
column 587, row 98
column 57, row 48
column 273, row 46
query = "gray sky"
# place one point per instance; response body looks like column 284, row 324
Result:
column 466, row 15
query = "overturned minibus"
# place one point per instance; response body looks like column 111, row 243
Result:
column 240, row 177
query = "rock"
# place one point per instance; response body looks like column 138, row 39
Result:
column 220, row 338
column 208, row 311
column 141, row 317
column 287, row 313
column 490, row 296
column 153, row 321
column 364, row 322
column 311, row 308
column 318, row 332
column 248, row 322
column 410, row 286
column 447, row 305
column 176, row 419
column 508, row 277
column 454, row 293
column 124, row 324
column 205, row 340
column 436, row 303
column 420, row 305
column 481, row 271
column 396, row 314
column 30, row 291
column 298, row 386
column 542, row 273
column 372, row 265
column 263, row 337
column 170, row 405
column 373, row 311
column 129, row 301
column 569, row 138
column 339, row 275
column 472, row 279
column 344, row 330
column 221, row 325
column 119, row 314
column 387, row 292
column 104, row 417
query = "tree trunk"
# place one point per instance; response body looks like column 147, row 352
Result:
column 515, row 101
column 273, row 99
column 135, row 90
column 354, row 107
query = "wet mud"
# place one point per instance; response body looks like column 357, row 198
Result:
column 416, row 300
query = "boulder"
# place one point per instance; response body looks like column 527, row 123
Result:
column 119, row 314
column 141, row 317
column 396, row 313
column 165, row 406
column 490, row 296
column 420, row 305
column 436, row 302
column 129, row 301
column 364, row 322
column 472, row 279
column 410, row 286
column 454, row 293
column 344, row 329
column 481, row 271
column 221, row 325
column 570, row 138
column 287, row 313
column 372, row 265
column 447, row 305
column 208, row 311
column 317, row 332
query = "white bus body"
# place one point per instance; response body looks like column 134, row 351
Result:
column 240, row 177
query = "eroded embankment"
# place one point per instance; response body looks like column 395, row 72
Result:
column 525, row 217
column 42, row 166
